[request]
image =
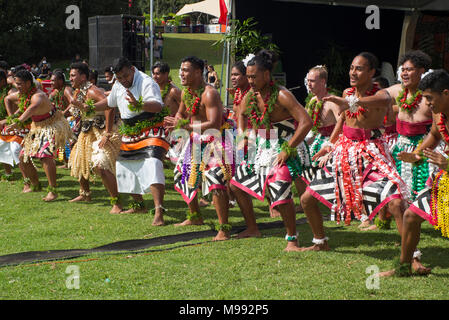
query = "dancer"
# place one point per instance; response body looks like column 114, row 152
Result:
column 360, row 178
column 9, row 144
column 431, row 203
column 204, row 157
column 49, row 131
column 139, row 167
column 171, row 94
column 98, row 142
column 277, row 163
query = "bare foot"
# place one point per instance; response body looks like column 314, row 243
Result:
column 203, row 203
column 136, row 211
column 255, row 233
column 292, row 247
column 50, row 197
column 188, row 222
column 388, row 273
column 299, row 209
column 81, row 199
column 158, row 218
column 64, row 166
column 371, row 227
column 222, row 235
column 317, row 247
column 26, row 189
column 274, row 213
column 116, row 209
column 365, row 224
column 419, row 268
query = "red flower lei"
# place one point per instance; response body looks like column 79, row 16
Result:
column 442, row 128
column 239, row 95
column 360, row 110
column 253, row 111
column 189, row 95
column 409, row 106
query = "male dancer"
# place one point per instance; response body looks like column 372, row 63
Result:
column 139, row 167
column 361, row 178
column 431, row 203
column 201, row 115
column 277, row 163
column 49, row 131
column 171, row 95
column 98, row 142
column 9, row 144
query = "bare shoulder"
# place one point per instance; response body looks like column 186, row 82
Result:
column 394, row 90
column 345, row 92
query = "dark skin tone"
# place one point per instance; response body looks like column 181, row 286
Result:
column 209, row 116
column 286, row 107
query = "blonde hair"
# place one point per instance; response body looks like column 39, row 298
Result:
column 322, row 71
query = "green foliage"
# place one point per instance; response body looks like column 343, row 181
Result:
column 245, row 39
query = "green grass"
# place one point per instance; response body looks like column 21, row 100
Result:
column 197, row 269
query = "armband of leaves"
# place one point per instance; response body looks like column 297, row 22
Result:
column 138, row 106
column 290, row 151
column 181, row 123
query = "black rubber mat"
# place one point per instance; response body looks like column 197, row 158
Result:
column 124, row 246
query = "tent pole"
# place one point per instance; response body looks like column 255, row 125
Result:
column 225, row 52
column 151, row 33
column 228, row 52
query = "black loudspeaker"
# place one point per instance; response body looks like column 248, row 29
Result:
column 111, row 37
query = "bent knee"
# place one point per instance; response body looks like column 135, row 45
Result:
column 307, row 199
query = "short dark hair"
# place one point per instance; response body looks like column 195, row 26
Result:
column 24, row 75
column 81, row 67
column 108, row 69
column 240, row 66
column 383, row 82
column 163, row 67
column 419, row 59
column 121, row 63
column 371, row 58
column 59, row 74
column 194, row 61
column 4, row 65
column 264, row 59
column 436, row 81
column 3, row 75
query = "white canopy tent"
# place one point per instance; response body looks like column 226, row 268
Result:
column 210, row 7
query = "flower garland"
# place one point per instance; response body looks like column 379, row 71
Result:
column 127, row 130
column 239, row 95
column 80, row 95
column 256, row 117
column 192, row 99
column 360, row 110
column 58, row 99
column 24, row 103
column 165, row 91
column 442, row 127
column 440, row 203
column 314, row 109
column 410, row 104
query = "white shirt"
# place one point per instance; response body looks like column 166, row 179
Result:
column 143, row 85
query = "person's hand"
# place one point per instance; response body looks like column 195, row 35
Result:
column 436, row 158
column 324, row 151
column 11, row 127
column 281, row 159
column 323, row 160
column 130, row 98
column 169, row 122
column 103, row 141
column 409, row 157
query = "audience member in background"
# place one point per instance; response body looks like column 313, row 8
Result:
column 212, row 77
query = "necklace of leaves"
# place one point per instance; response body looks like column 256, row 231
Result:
column 165, row 91
column 192, row 99
column 257, row 117
column 3, row 93
column 410, row 104
column 58, row 99
column 314, row 108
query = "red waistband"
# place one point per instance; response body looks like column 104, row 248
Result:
column 390, row 129
column 357, row 133
column 412, row 129
column 42, row 117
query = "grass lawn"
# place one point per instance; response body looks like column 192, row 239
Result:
column 195, row 269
